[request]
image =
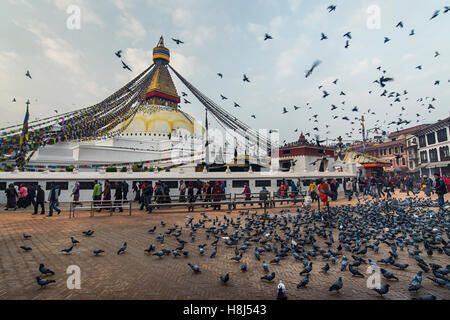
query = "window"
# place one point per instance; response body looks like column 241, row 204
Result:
column 63, row 185
column 384, row 152
column 423, row 157
column 263, row 183
column 431, row 138
column 87, row 185
column 280, row 181
column 422, row 142
column 433, row 155
column 442, row 135
column 444, row 153
column 171, row 184
column 403, row 162
column 240, row 183
column 390, row 150
column 402, row 150
column 396, row 150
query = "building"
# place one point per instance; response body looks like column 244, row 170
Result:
column 394, row 150
column 433, row 145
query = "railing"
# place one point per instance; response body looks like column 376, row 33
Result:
column 99, row 205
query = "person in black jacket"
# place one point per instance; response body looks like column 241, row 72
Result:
column 32, row 195
column 40, row 200
column 440, row 189
column 118, row 196
column 125, row 187
column 147, row 194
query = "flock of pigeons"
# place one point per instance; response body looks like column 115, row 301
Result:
column 342, row 240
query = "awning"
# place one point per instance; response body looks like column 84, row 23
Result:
column 376, row 165
column 442, row 164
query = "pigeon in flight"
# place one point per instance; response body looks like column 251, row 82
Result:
column 419, row 67
column 347, row 44
column 435, row 14
column 236, row 105
column 296, row 108
column 184, row 94
column 187, row 101
column 315, row 64
column 125, row 66
column 177, row 41
column 446, row 9
column 386, row 39
column 331, row 8
column 267, row 37
column 253, row 116
column 28, row 74
column 348, row 35
column 220, row 75
column 223, row 97
column 323, row 36
column 436, row 54
column 412, row 32
column 284, row 110
column 325, row 94
column 400, row 24
column 119, row 54
column 245, row 79
column 335, row 81
column 14, row 100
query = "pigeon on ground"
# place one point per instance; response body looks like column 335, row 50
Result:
column 44, row 282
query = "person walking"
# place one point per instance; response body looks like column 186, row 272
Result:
column 349, row 189
column 32, row 196
column 182, row 190
column 263, row 197
column 118, row 196
column 97, row 194
column 23, row 193
column 324, row 191
column 247, row 193
column 294, row 190
column 380, row 184
column 166, row 193
column 125, row 188
column 216, row 195
column 283, row 190
column 409, row 185
column 76, row 195
column 53, row 196
column 147, row 195
column 106, row 204
column 388, row 188
column 40, row 200
column 440, row 189
column 11, row 196
column 312, row 190
column 427, row 185
column 137, row 192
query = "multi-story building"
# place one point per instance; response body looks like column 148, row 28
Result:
column 433, row 148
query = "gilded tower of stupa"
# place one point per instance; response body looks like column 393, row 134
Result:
column 159, row 111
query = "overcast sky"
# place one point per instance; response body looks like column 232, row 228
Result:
column 72, row 69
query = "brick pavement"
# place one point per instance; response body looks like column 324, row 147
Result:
column 135, row 275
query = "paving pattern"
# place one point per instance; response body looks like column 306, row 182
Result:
column 136, row 275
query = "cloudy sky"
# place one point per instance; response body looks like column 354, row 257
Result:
column 77, row 68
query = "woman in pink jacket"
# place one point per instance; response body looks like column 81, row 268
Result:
column 23, row 193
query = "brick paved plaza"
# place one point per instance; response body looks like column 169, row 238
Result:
column 136, row 275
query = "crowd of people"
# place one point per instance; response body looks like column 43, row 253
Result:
column 211, row 193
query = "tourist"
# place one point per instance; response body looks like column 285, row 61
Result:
column 97, row 194
column 333, row 189
column 40, row 200
column 409, row 185
column 76, row 195
column 11, row 196
column 217, row 195
column 312, row 190
column 294, row 190
column 191, row 196
column 166, row 193
column 31, row 199
column 324, row 191
column 118, row 196
column 263, row 196
column 53, row 196
column 106, row 204
column 137, row 192
column 199, row 186
column 440, row 189
column 427, row 185
column 349, row 189
column 23, row 193
column 247, row 193
column 388, row 187
column 125, row 187
column 147, row 194
column 380, row 184
column 159, row 194
column 283, row 190
column 182, row 190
